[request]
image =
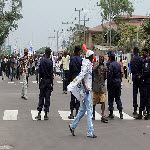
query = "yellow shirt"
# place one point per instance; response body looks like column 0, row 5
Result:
column 65, row 62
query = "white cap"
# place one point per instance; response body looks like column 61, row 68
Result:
column 89, row 53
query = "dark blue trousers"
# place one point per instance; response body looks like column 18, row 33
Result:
column 115, row 93
column 145, row 100
column 74, row 104
column 137, row 86
column 45, row 93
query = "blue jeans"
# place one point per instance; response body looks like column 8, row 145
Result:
column 86, row 106
column 11, row 73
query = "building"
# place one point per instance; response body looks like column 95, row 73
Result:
column 133, row 20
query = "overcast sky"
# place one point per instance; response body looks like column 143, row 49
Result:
column 42, row 17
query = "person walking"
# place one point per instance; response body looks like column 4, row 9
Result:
column 125, row 67
column 45, row 85
column 87, row 105
column 65, row 64
column 136, row 70
column 99, row 89
column 114, row 86
column 74, row 70
column 25, row 74
column 3, row 66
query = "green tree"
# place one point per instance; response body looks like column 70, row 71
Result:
column 128, row 37
column 9, row 15
column 112, row 9
column 145, row 33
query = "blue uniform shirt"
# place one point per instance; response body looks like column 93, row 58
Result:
column 146, row 71
column 75, row 66
column 136, row 66
column 46, row 68
column 114, row 75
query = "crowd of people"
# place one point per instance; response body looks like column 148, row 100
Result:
column 85, row 78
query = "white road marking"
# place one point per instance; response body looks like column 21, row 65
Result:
column 10, row 115
column 64, row 115
column 6, row 147
column 34, row 113
column 11, row 82
column 34, row 81
column 59, row 82
column 21, row 82
column 125, row 116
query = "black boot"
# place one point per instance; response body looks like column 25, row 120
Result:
column 121, row 115
column 135, row 111
column 139, row 116
column 93, row 112
column 39, row 116
column 111, row 116
column 71, row 115
column 147, row 116
column 46, row 117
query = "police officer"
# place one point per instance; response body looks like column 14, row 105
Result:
column 108, row 68
column 145, row 76
column 74, row 70
column 114, row 86
column 46, row 84
column 136, row 70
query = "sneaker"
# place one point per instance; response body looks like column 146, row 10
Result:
column 104, row 119
column 94, row 136
column 25, row 98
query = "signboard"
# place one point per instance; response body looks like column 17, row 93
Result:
column 5, row 50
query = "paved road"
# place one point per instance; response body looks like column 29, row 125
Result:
column 23, row 133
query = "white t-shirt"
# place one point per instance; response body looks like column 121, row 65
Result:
column 87, row 65
column 54, row 60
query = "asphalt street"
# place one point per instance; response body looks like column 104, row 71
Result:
column 26, row 134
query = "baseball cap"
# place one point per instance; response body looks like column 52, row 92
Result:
column 89, row 53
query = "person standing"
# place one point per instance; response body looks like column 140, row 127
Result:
column 74, row 70
column 114, row 86
column 99, row 89
column 12, row 63
column 87, row 99
column 136, row 70
column 25, row 74
column 65, row 63
column 54, row 58
column 3, row 65
column 121, row 64
column 145, row 97
column 45, row 85
column 125, row 65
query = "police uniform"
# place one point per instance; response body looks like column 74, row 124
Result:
column 145, row 101
column 74, row 70
column 45, row 73
column 136, row 70
column 114, row 87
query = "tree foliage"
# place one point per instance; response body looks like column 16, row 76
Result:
column 9, row 15
column 114, row 8
column 145, row 32
column 128, row 36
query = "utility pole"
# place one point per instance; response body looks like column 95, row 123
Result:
column 79, row 15
column 110, row 23
column 85, row 20
column 58, row 38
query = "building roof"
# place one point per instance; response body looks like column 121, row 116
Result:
column 114, row 26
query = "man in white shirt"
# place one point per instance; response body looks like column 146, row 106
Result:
column 87, row 99
column 65, row 63
column 54, row 63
